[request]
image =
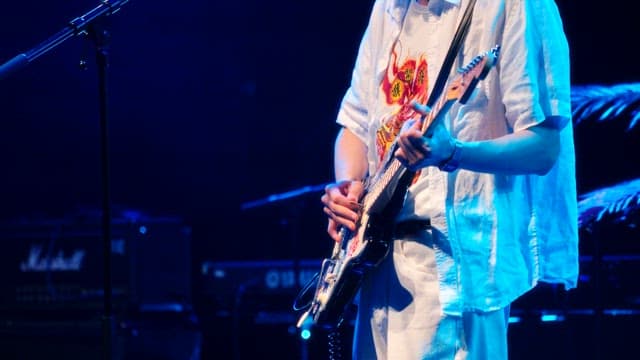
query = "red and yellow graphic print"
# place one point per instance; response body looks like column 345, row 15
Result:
column 402, row 84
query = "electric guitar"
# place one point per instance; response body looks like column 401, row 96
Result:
column 357, row 252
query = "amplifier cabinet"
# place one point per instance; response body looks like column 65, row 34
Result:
column 59, row 264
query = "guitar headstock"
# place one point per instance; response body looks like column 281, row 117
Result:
column 477, row 69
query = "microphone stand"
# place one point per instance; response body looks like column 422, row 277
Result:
column 86, row 25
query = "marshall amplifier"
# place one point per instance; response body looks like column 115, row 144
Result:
column 57, row 264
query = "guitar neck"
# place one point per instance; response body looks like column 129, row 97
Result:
column 384, row 184
column 436, row 115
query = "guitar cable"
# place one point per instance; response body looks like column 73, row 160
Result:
column 335, row 343
column 311, row 284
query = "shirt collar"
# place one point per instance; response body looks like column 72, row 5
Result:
column 404, row 2
column 397, row 8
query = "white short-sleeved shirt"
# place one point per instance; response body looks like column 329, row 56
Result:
column 507, row 232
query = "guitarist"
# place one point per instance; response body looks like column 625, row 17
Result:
column 492, row 210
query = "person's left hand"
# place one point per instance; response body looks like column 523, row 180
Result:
column 417, row 151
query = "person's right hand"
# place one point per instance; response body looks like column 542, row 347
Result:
column 341, row 205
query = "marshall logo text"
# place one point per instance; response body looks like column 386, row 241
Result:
column 39, row 262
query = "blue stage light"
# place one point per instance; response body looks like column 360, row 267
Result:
column 551, row 317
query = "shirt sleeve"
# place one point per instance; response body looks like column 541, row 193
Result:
column 354, row 108
column 535, row 72
column 536, row 84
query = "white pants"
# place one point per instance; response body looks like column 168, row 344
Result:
column 400, row 316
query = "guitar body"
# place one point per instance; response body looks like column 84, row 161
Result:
column 341, row 279
column 341, row 276
column 358, row 252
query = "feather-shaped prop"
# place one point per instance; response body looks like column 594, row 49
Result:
column 601, row 102
column 617, row 201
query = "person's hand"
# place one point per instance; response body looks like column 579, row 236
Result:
column 341, row 205
column 417, row 151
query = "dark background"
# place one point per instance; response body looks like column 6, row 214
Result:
column 213, row 105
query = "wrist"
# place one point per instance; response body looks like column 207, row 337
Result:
column 453, row 161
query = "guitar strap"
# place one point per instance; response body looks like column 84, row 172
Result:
column 445, row 70
column 454, row 48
